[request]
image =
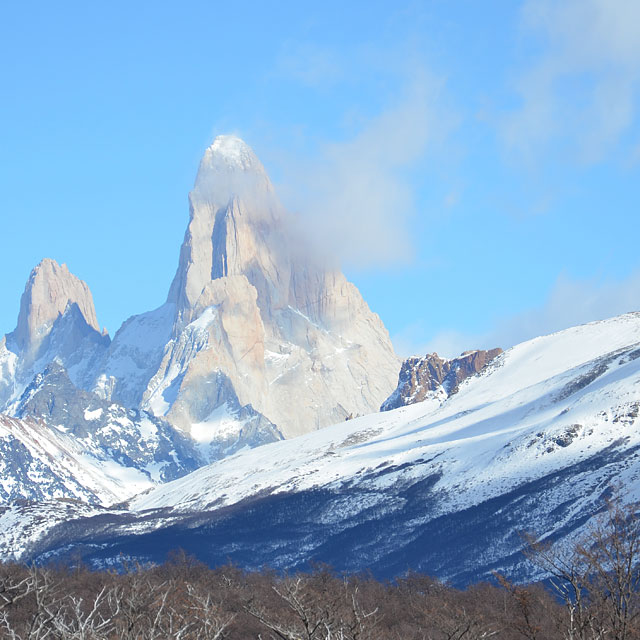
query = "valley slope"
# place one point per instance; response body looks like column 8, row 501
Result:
column 534, row 443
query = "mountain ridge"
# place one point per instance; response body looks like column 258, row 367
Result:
column 189, row 416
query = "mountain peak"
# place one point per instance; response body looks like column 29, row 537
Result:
column 230, row 169
column 233, row 206
column 228, row 156
column 234, row 151
column 50, row 290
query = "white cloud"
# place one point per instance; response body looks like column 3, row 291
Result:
column 310, row 64
column 571, row 302
column 584, row 88
column 355, row 198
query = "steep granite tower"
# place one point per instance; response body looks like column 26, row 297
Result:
column 50, row 291
column 251, row 320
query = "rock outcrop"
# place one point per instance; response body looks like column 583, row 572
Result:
column 431, row 376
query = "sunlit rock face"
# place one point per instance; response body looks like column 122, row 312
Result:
column 57, row 321
column 292, row 339
column 296, row 340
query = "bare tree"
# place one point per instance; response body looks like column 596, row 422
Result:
column 319, row 606
column 210, row 621
column 529, row 610
column 34, row 622
column 598, row 577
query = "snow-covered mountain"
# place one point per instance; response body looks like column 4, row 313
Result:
column 38, row 463
column 531, row 443
column 67, row 443
column 259, row 342
column 256, row 342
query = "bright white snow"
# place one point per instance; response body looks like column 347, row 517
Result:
column 540, row 406
column 92, row 415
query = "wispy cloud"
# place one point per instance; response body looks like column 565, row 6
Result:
column 571, row 302
column 355, row 198
column 310, row 64
column 583, row 88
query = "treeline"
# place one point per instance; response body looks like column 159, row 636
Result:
column 185, row 600
column 594, row 594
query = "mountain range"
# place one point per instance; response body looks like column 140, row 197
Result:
column 261, row 415
column 256, row 342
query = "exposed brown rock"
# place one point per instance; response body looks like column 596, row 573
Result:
column 421, row 376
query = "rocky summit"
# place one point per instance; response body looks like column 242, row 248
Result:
column 292, row 338
column 57, row 321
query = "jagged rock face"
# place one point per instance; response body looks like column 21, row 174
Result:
column 135, row 440
column 57, row 320
column 51, row 289
column 432, row 375
column 234, row 228
column 296, row 340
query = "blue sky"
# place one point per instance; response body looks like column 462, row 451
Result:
column 475, row 166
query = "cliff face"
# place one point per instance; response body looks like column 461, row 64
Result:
column 296, row 340
column 431, row 375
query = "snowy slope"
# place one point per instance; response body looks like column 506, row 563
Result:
column 64, row 442
column 25, row 522
column 539, row 406
column 532, row 443
column 41, row 463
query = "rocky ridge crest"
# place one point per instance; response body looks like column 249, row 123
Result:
column 431, row 376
